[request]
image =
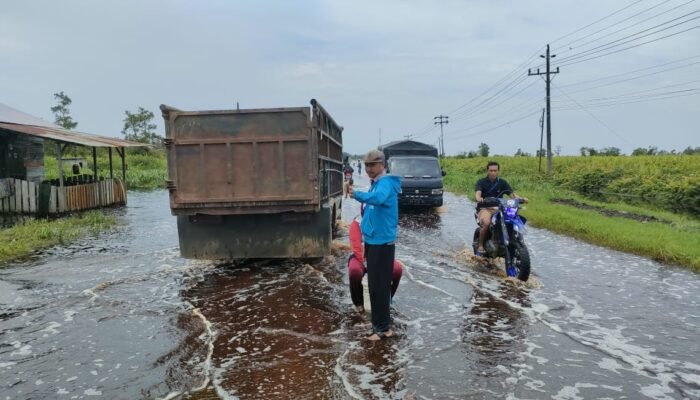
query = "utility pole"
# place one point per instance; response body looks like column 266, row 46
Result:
column 442, row 119
column 539, row 153
column 548, row 81
column 380, row 136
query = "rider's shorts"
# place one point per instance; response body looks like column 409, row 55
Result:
column 487, row 212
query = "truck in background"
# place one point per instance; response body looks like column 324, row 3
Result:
column 419, row 168
column 254, row 183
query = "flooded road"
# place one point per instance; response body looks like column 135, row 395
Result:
column 122, row 316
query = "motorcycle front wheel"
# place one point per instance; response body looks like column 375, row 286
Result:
column 521, row 258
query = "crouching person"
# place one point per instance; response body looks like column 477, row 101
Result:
column 357, row 268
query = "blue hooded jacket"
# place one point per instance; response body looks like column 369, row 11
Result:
column 381, row 212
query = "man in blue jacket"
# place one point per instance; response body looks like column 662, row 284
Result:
column 380, row 219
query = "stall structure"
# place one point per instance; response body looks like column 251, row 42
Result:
column 23, row 189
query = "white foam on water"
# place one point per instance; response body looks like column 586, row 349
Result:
column 68, row 315
column 217, row 379
column 7, row 364
column 170, row 395
column 343, row 375
column 613, row 388
column 610, row 365
column 92, row 392
column 613, row 342
column 536, row 385
column 51, row 328
column 62, row 391
column 572, row 392
column 657, row 391
column 206, row 364
column 21, row 350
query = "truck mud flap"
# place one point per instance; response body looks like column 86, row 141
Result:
column 228, row 237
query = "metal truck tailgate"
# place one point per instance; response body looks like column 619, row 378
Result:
column 243, row 161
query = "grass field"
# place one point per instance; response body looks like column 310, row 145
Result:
column 648, row 205
column 24, row 239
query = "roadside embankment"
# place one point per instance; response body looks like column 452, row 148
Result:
column 25, row 238
column 645, row 205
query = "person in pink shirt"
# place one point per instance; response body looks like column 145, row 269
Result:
column 357, row 268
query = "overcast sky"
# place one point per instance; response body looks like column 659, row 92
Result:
column 376, row 66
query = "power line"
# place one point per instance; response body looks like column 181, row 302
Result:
column 573, row 58
column 611, row 44
column 644, row 99
column 594, row 117
column 595, row 22
column 631, row 47
column 639, row 70
column 506, row 113
column 621, row 29
column 514, row 72
column 531, row 113
column 484, row 105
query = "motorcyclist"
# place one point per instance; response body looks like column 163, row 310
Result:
column 490, row 186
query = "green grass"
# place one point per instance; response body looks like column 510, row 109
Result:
column 673, row 239
column 24, row 239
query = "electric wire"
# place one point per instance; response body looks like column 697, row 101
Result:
column 582, row 58
column 621, row 29
column 594, row 117
column 595, row 22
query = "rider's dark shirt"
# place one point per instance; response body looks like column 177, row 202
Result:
column 493, row 189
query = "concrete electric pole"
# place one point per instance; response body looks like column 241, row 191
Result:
column 441, row 119
column 548, row 81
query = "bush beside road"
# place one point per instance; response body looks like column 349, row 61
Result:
column 569, row 202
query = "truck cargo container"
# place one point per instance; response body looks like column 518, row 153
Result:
column 254, row 183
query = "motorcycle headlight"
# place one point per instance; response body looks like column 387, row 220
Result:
column 436, row 191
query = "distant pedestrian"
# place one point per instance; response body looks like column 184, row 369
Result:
column 347, row 178
column 379, row 223
column 359, row 167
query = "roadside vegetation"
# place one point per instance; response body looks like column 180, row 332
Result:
column 644, row 205
column 24, row 239
column 145, row 168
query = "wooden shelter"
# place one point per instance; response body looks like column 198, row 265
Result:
column 22, row 186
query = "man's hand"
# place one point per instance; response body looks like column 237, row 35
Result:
column 351, row 191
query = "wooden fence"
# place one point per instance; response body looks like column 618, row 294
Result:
column 22, row 197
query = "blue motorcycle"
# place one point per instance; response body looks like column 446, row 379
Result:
column 506, row 237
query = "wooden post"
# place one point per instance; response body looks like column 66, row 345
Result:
column 111, row 174
column 94, row 162
column 60, row 163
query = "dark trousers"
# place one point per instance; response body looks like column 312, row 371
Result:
column 356, row 270
column 380, row 266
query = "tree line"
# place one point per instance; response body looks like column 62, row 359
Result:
column 138, row 125
column 483, row 151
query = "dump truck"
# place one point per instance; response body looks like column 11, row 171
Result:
column 254, row 183
column 419, row 168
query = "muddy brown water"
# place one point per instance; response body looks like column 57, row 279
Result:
column 122, row 316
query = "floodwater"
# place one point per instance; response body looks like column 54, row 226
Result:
column 122, row 316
